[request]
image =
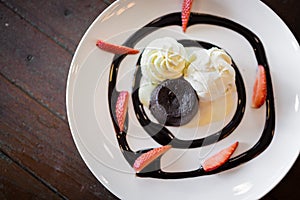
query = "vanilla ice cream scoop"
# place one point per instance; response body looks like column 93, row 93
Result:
column 210, row 73
column 162, row 59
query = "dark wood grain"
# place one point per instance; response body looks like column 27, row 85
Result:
column 14, row 182
column 63, row 21
column 33, row 62
column 42, row 143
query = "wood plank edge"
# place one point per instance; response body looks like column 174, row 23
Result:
column 15, row 10
column 58, row 115
column 42, row 181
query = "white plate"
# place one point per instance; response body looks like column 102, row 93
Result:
column 93, row 131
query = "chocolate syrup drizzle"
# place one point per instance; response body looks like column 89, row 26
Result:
column 160, row 133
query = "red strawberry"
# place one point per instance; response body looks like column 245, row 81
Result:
column 185, row 13
column 115, row 48
column 260, row 88
column 219, row 158
column 145, row 159
column 121, row 108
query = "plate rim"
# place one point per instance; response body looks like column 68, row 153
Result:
column 69, row 93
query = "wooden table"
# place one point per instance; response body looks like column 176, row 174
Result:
column 38, row 157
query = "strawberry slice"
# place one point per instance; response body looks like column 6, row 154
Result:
column 185, row 13
column 219, row 158
column 145, row 159
column 121, row 108
column 260, row 88
column 112, row 48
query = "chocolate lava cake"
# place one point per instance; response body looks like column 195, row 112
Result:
column 174, row 102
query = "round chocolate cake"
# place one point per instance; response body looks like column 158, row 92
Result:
column 174, row 102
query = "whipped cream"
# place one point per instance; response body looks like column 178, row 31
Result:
column 145, row 91
column 162, row 59
column 210, row 73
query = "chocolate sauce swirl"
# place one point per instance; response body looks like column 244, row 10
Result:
column 160, row 133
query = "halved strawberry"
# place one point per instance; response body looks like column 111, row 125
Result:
column 145, row 159
column 260, row 88
column 185, row 13
column 219, row 158
column 121, row 108
column 112, row 48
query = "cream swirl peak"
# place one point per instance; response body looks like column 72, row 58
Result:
column 162, row 59
column 210, row 73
